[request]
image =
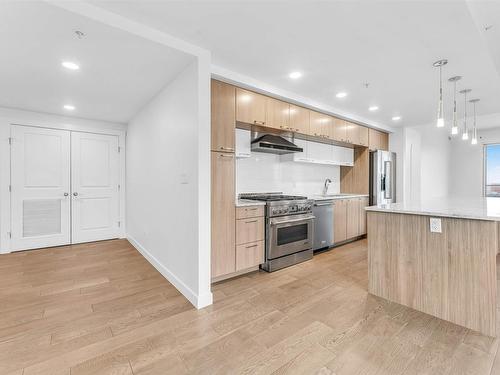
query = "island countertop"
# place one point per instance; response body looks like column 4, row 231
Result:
column 462, row 208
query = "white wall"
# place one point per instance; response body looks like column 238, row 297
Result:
column 10, row 116
column 466, row 166
column 423, row 162
column 266, row 173
column 165, row 173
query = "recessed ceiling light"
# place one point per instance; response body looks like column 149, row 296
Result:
column 373, row 108
column 70, row 65
column 341, row 94
column 295, row 75
column 396, row 118
column 69, row 107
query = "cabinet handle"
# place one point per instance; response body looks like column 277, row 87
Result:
column 252, row 221
column 249, row 247
column 259, row 122
column 226, row 155
column 297, row 130
column 227, row 148
column 251, row 209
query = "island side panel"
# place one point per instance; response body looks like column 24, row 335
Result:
column 450, row 275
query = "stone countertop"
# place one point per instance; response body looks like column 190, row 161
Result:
column 462, row 208
column 248, row 203
column 336, row 197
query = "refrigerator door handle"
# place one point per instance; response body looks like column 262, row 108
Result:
column 387, row 180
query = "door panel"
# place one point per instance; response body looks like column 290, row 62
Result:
column 94, row 181
column 40, row 160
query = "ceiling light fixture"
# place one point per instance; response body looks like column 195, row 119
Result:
column 396, row 118
column 69, row 107
column 295, row 75
column 474, row 128
column 440, row 117
column 373, row 108
column 341, row 94
column 70, row 65
column 465, row 133
column 454, row 125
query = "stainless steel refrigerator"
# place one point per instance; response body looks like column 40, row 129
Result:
column 382, row 177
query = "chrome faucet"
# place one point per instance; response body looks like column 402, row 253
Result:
column 327, row 184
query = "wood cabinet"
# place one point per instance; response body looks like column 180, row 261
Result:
column 299, row 119
column 349, row 218
column 249, row 230
column 356, row 179
column 339, row 130
column 250, row 235
column 223, row 112
column 352, row 226
column 277, row 114
column 250, row 107
column 362, row 203
column 340, row 220
column 378, row 140
column 249, row 255
column 247, row 212
column 362, row 136
column 321, row 125
column 223, row 214
column 351, row 132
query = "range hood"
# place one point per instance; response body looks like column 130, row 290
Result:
column 274, row 144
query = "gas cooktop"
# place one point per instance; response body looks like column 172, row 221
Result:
column 271, row 197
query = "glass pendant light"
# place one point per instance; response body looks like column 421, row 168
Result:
column 465, row 133
column 474, row 128
column 440, row 116
column 454, row 125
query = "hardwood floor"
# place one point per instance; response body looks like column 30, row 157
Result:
column 103, row 309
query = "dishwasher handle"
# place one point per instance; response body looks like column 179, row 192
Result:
column 323, row 204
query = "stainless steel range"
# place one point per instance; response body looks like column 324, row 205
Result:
column 289, row 229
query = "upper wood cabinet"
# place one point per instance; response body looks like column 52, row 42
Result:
column 277, row 114
column 321, row 125
column 351, row 132
column 378, row 140
column 362, row 136
column 339, row 130
column 250, row 107
column 223, row 112
column 299, row 119
column 223, row 214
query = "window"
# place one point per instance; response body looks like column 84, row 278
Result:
column 492, row 170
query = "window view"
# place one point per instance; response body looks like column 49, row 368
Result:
column 492, row 161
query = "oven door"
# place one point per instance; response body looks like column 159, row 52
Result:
column 289, row 234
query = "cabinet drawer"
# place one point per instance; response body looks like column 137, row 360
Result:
column 250, row 211
column 249, row 255
column 249, row 230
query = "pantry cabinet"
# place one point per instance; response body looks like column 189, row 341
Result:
column 250, row 107
column 223, row 116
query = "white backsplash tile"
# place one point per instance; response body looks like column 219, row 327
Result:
column 266, row 173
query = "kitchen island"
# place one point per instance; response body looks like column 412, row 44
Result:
column 438, row 257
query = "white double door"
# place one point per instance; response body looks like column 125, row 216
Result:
column 64, row 187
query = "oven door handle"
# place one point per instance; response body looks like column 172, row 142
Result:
column 274, row 223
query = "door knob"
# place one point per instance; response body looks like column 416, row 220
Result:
column 75, row 194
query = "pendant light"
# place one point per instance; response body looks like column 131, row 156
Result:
column 440, row 116
column 474, row 128
column 454, row 125
column 465, row 133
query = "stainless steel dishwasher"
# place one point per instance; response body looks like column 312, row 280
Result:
column 323, row 224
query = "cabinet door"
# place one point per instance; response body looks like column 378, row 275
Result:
column 351, row 132
column 250, row 107
column 384, row 141
column 223, row 214
column 362, row 136
column 373, row 139
column 277, row 114
column 339, row 130
column 339, row 220
column 363, row 202
column 299, row 119
column 352, row 218
column 321, row 125
column 249, row 255
column 223, row 114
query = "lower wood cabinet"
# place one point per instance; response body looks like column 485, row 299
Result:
column 249, row 230
column 249, row 255
column 349, row 218
column 223, row 214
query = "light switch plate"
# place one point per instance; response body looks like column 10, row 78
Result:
column 435, row 225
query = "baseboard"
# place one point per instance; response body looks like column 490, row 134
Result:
column 198, row 301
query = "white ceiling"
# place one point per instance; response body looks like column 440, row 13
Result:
column 340, row 45
column 119, row 72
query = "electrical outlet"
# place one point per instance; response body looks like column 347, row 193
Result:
column 435, row 225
